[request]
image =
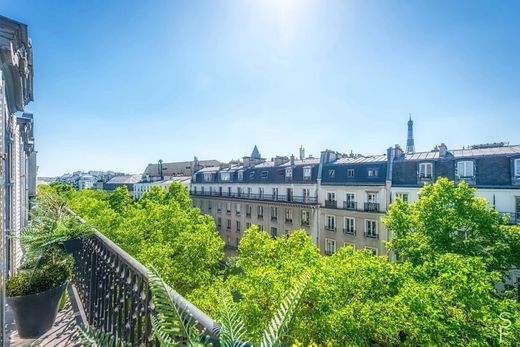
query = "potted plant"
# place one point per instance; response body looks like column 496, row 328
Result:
column 34, row 294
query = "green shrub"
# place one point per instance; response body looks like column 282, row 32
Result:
column 48, row 276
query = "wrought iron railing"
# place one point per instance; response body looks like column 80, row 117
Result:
column 115, row 296
column 331, row 203
column 371, row 207
column 263, row 197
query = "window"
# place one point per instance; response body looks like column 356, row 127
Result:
column 219, row 206
column 289, row 194
column 210, row 205
column 207, row 177
column 330, row 246
column 370, row 228
column 350, row 201
column 261, row 192
column 260, row 211
column 237, row 208
column 251, row 175
column 306, row 194
column 288, row 172
column 331, row 196
column 219, row 222
column 249, row 209
column 237, row 241
column 465, row 169
column 238, row 226
column 264, row 174
column 307, row 173
column 229, row 191
column 240, row 175
column 224, row 176
column 517, row 167
column 249, row 191
column 202, row 190
column 305, row 217
column 402, row 196
column 371, row 197
column 332, row 173
column 229, row 224
column 220, row 191
column 228, row 240
column 372, row 249
column 288, row 215
column 330, row 222
column 350, row 172
column 348, row 244
column 228, row 207
column 260, row 227
column 275, row 193
column 248, row 225
column 373, row 172
column 350, row 225
column 274, row 232
column 195, row 190
column 274, row 213
column 425, row 170
column 239, row 191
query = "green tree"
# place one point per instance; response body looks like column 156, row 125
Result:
column 449, row 218
column 120, row 199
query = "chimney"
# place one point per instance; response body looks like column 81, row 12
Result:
column 279, row 160
column 398, row 152
column 302, row 153
column 292, row 158
column 443, row 150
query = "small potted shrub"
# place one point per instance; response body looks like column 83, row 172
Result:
column 34, row 294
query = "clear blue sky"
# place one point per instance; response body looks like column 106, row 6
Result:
column 119, row 84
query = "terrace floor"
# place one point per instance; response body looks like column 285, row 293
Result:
column 64, row 332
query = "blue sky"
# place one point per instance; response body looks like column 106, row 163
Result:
column 119, row 84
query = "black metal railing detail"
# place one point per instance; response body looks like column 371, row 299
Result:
column 331, row 203
column 114, row 292
column 372, row 206
column 263, row 197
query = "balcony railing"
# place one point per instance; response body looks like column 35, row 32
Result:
column 371, row 206
column 349, row 205
column 330, row 228
column 113, row 290
column 331, row 203
column 288, row 220
column 263, row 197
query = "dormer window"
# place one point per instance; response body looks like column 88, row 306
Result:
column 224, row 176
column 264, row 174
column 307, row 173
column 240, row 175
column 332, row 173
column 425, row 170
column 373, row 172
column 251, row 175
column 517, row 167
column 350, row 172
column 207, row 177
column 288, row 172
column 465, row 169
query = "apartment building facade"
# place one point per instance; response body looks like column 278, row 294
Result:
column 353, row 195
column 493, row 169
column 278, row 196
column 18, row 164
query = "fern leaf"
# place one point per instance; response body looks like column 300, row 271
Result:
column 232, row 329
column 92, row 337
column 284, row 315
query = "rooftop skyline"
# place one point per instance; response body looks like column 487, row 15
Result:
column 120, row 84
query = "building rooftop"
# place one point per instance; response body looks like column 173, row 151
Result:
column 130, row 179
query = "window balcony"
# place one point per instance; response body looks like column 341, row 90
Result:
column 109, row 291
column 288, row 220
column 371, row 207
column 260, row 216
column 349, row 205
column 262, row 197
column 248, row 214
column 331, row 203
column 274, row 218
column 330, row 228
